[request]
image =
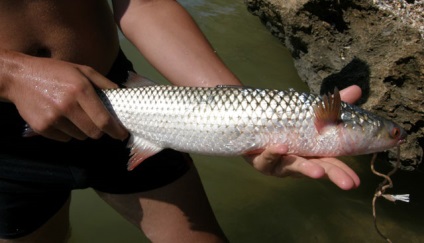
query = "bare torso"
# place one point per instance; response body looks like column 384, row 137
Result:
column 77, row 31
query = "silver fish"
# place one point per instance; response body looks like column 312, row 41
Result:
column 229, row 121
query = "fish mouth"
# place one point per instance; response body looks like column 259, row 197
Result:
column 401, row 141
column 402, row 137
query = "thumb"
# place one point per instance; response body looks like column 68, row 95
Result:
column 274, row 152
column 266, row 160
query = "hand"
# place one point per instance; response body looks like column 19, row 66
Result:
column 58, row 101
column 274, row 160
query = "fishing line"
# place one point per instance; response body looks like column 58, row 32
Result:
column 386, row 184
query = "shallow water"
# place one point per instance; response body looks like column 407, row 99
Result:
column 249, row 206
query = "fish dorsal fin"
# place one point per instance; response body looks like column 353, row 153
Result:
column 328, row 111
column 141, row 149
column 135, row 80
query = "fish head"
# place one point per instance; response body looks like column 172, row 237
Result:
column 364, row 132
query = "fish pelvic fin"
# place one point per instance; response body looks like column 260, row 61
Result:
column 141, row 149
column 328, row 112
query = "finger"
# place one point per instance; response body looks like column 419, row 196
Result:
column 274, row 152
column 266, row 160
column 67, row 127
column 96, row 110
column 351, row 94
column 96, row 78
column 55, row 134
column 61, row 130
column 97, row 113
column 351, row 173
column 299, row 166
column 101, row 117
column 340, row 178
column 79, row 125
column 339, row 173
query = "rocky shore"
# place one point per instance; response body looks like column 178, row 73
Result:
column 376, row 44
column 410, row 12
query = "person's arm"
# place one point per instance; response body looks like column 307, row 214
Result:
column 56, row 98
column 169, row 39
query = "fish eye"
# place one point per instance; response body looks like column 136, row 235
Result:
column 395, row 133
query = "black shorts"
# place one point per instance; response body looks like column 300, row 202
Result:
column 38, row 174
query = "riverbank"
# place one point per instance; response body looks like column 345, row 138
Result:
column 376, row 44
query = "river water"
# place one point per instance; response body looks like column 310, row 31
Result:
column 249, row 206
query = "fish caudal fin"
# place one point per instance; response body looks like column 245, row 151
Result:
column 328, row 112
column 141, row 149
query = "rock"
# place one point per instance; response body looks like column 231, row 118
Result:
column 344, row 42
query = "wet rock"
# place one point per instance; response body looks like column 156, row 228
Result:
column 363, row 42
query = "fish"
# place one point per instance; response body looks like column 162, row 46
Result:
column 237, row 120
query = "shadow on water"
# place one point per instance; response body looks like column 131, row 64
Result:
column 252, row 207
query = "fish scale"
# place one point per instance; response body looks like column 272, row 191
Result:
column 227, row 120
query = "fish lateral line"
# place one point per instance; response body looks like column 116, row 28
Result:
column 328, row 111
column 231, row 86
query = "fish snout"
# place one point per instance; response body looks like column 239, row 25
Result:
column 402, row 137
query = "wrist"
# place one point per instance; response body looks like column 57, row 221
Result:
column 11, row 64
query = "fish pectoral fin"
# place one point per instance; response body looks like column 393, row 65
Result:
column 328, row 112
column 141, row 149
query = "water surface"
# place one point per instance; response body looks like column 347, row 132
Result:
column 249, row 206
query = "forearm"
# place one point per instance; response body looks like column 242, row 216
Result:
column 168, row 37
